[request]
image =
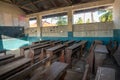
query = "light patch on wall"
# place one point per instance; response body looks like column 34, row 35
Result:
column 1, row 19
column 7, row 19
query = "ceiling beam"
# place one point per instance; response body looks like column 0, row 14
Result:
column 23, row 7
column 6, row 1
column 53, row 3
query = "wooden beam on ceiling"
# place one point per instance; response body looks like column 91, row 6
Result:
column 23, row 7
column 51, row 1
column 6, row 1
column 67, row 2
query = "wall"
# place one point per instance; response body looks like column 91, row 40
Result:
column 10, row 15
column 73, row 32
column 90, row 32
column 116, row 13
column 99, row 29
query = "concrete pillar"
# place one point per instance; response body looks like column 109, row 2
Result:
column 70, row 24
column 70, row 20
column 116, row 19
column 116, row 14
column 39, row 25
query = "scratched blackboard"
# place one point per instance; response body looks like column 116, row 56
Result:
column 11, row 32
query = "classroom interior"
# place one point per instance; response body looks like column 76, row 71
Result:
column 59, row 39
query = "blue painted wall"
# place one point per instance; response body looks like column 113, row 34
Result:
column 117, row 34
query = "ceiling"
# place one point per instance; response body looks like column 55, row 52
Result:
column 34, row 6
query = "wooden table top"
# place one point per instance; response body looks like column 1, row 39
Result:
column 55, row 47
column 6, row 56
column 76, row 45
column 55, row 70
column 13, row 65
column 69, row 42
column 101, row 49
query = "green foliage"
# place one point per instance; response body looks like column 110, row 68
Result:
column 88, row 21
column 80, row 21
column 61, row 21
column 106, row 17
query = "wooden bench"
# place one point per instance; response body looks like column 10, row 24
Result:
column 10, row 60
column 22, row 49
column 90, row 57
column 35, row 52
column 37, row 42
column 100, row 55
column 5, row 57
column 73, row 49
column 56, row 71
column 56, row 50
column 11, row 68
column 104, row 73
column 26, row 73
column 78, row 75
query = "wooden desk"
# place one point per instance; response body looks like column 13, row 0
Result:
column 51, row 51
column 54, row 72
column 22, row 49
column 35, row 52
column 90, row 58
column 23, row 74
column 100, row 55
column 13, row 67
column 74, row 48
column 37, row 42
column 5, row 57
column 68, row 43
column 104, row 73
column 56, row 43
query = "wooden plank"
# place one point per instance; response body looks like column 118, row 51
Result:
column 40, row 41
column 13, row 67
column 68, row 43
column 101, row 49
column 27, row 72
column 104, row 73
column 10, row 60
column 54, row 72
column 5, row 57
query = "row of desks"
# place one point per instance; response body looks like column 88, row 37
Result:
column 20, row 64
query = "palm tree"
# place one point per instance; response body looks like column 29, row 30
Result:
column 106, row 17
column 80, row 21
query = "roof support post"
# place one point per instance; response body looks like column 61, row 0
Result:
column 70, row 20
column 39, row 26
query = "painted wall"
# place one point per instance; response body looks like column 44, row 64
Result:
column 10, row 15
column 116, row 13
